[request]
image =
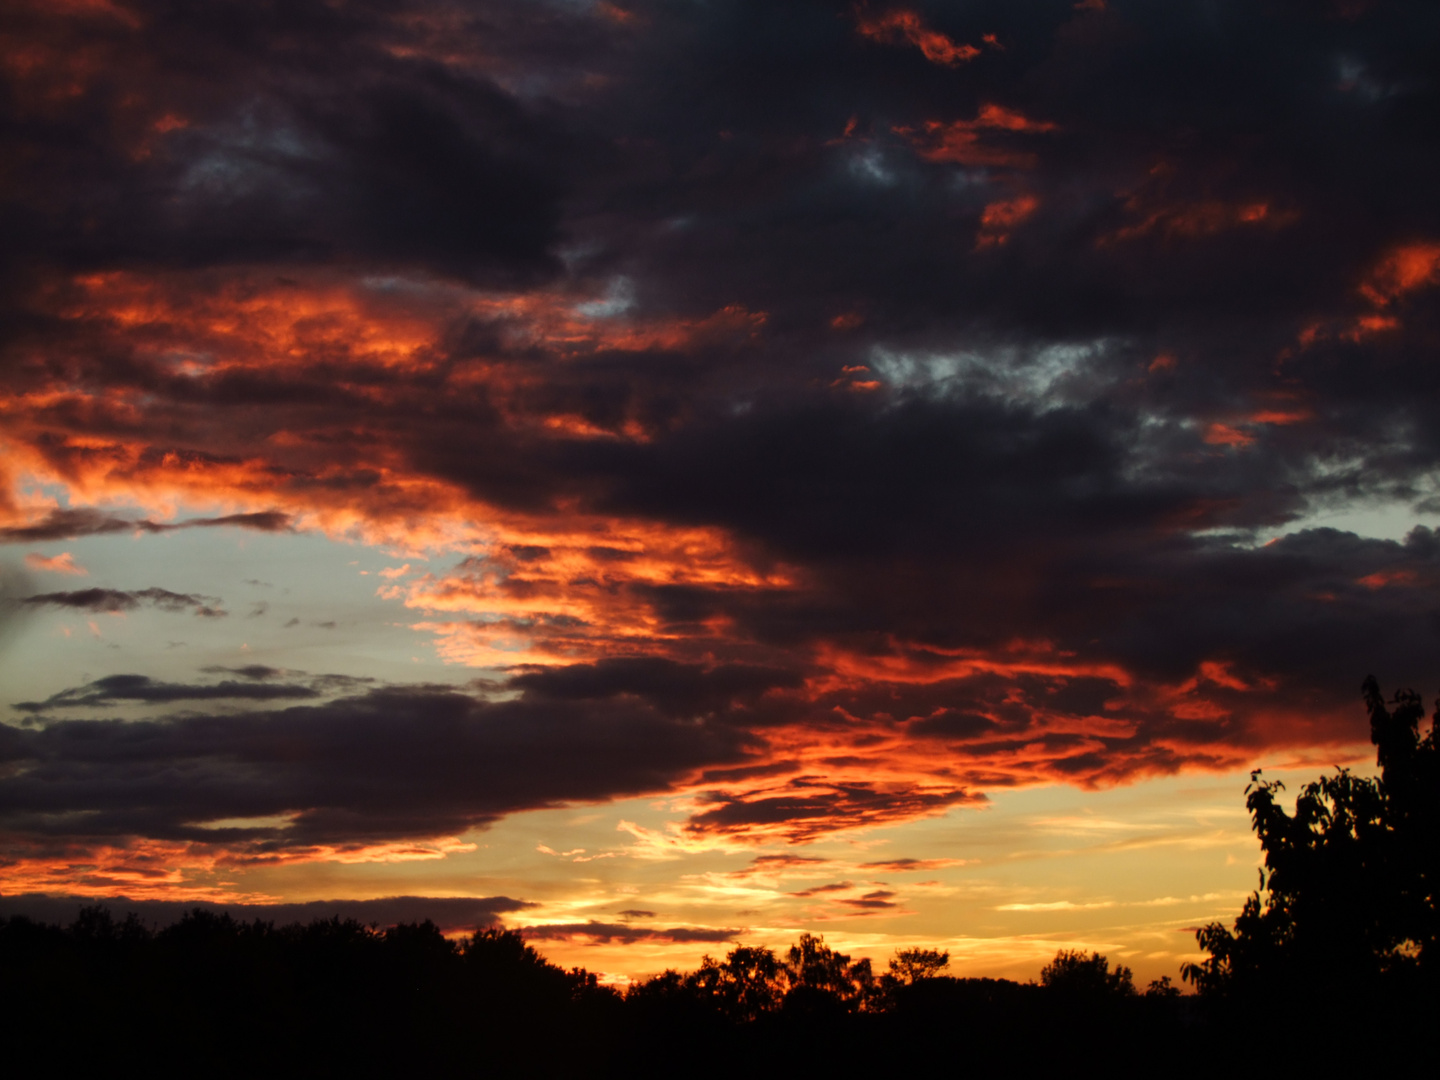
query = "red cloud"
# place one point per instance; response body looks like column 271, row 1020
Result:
column 1173, row 207
column 960, row 141
column 1402, row 271
column 1000, row 217
column 64, row 563
column 899, row 25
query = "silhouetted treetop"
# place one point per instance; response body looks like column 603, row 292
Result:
column 1349, row 881
column 909, row 966
column 1074, row 973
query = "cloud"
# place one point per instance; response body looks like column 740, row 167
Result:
column 898, row 24
column 905, row 866
column 767, row 864
column 117, row 601
column 876, row 900
column 905, row 420
column 807, row 807
column 391, row 764
column 83, row 521
column 250, row 671
column 450, row 914
column 64, row 563
column 598, row 933
column 117, row 689
column 821, row 890
column 672, row 686
column 1056, row 905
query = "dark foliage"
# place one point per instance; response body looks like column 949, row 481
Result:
column 1076, row 975
column 215, row 996
column 1345, row 922
column 336, row 997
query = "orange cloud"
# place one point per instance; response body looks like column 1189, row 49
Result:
column 64, row 563
column 337, row 461
column 142, row 869
column 1383, row 578
column 1173, row 215
column 585, row 592
column 1281, row 417
column 1240, row 431
column 1000, row 217
column 1189, row 221
column 160, row 870
column 1403, row 270
column 899, row 25
column 1227, row 435
column 916, row 663
column 959, row 141
column 614, row 12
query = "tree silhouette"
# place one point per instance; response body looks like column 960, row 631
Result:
column 1162, row 988
column 744, row 986
column 752, row 981
column 336, row 997
column 1076, row 975
column 819, row 976
column 1349, row 882
column 909, row 966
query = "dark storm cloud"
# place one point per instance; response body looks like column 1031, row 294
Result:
column 1013, row 361
column 114, row 601
column 449, row 913
column 392, row 763
column 114, row 689
column 233, row 133
column 70, row 524
column 671, row 686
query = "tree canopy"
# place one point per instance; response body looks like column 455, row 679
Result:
column 1347, row 895
column 1090, row 976
column 909, row 966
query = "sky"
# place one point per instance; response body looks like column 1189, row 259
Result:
column 663, row 474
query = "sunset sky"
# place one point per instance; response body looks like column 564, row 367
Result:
column 660, row 473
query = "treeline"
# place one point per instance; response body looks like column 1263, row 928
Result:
column 211, row 994
column 214, row 996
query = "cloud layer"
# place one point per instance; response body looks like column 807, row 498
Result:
column 827, row 411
